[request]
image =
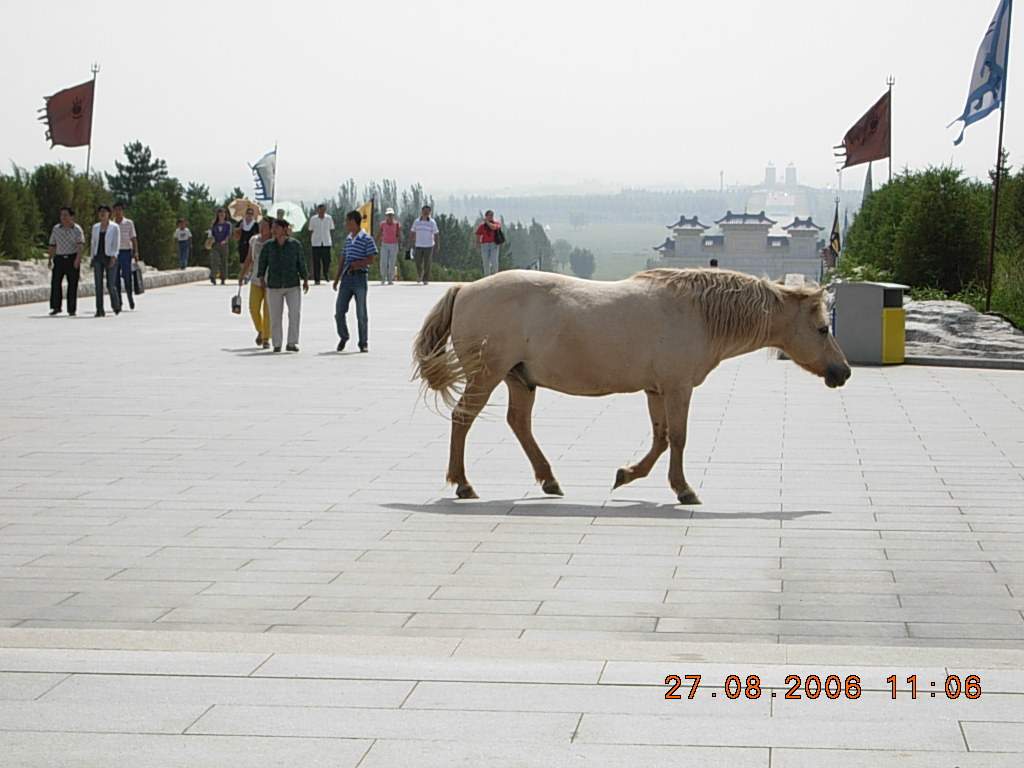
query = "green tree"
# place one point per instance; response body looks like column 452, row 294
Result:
column 541, row 246
column 582, row 262
column 139, row 173
column 19, row 219
column 53, row 187
column 155, row 221
column 171, row 190
column 561, row 249
column 458, row 245
column 942, row 238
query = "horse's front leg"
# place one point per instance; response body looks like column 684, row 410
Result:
column 677, row 411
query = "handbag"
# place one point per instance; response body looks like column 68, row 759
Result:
column 499, row 236
column 138, row 283
column 236, row 302
column 408, row 254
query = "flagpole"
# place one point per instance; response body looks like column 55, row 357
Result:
column 999, row 165
column 891, row 81
column 95, row 69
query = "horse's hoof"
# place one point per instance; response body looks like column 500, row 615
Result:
column 466, row 492
column 688, row 498
column 620, row 478
column 552, row 488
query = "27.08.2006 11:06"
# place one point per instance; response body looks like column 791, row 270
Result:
column 812, row 687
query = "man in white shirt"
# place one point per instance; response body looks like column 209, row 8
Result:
column 128, row 253
column 426, row 239
column 320, row 228
column 66, row 240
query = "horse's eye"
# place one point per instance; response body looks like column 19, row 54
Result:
column 823, row 330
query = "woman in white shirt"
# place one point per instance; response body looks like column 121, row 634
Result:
column 258, row 309
column 104, row 245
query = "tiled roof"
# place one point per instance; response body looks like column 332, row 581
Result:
column 745, row 218
column 807, row 224
column 684, row 223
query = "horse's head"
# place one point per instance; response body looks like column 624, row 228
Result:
column 808, row 340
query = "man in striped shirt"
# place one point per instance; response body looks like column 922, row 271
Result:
column 353, row 267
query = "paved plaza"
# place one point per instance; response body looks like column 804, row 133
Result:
column 213, row 555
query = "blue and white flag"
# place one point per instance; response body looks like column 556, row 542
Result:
column 988, row 81
column 264, row 176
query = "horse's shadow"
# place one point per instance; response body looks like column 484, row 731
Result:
column 543, row 506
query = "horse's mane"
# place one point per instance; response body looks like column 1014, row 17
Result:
column 735, row 306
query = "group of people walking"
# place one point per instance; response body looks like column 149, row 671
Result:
column 275, row 267
column 272, row 262
column 114, row 248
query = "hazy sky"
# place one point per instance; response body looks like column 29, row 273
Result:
column 468, row 96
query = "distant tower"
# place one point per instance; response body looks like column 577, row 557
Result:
column 769, row 175
column 721, row 181
column 791, row 175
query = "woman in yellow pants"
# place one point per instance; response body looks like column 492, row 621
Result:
column 258, row 308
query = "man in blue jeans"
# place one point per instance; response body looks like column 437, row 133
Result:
column 360, row 250
column 128, row 254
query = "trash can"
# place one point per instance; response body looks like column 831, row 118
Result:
column 869, row 322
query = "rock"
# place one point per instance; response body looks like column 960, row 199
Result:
column 24, row 282
column 955, row 329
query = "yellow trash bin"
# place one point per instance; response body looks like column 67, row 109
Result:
column 894, row 335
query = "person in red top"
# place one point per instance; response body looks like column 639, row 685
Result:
column 489, row 235
column 390, row 236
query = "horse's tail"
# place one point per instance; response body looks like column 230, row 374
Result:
column 437, row 365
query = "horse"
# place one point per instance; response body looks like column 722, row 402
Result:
column 661, row 331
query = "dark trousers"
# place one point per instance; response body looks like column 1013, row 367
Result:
column 423, row 256
column 321, row 261
column 352, row 287
column 103, row 273
column 64, row 266
column 124, row 272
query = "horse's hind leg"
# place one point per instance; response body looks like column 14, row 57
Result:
column 659, row 442
column 466, row 410
column 520, row 411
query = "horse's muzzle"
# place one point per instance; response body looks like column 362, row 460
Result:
column 837, row 375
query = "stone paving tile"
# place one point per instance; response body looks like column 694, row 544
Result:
column 861, row 758
column 994, row 737
column 775, row 732
column 307, row 721
column 98, row 717
column 101, row 750
column 86, row 689
column 388, row 753
column 27, row 686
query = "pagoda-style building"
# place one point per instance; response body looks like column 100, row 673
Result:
column 746, row 242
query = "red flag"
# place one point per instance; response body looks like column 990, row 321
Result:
column 871, row 136
column 69, row 116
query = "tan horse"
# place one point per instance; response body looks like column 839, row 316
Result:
column 661, row 332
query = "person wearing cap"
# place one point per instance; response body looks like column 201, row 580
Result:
column 320, row 228
column 282, row 265
column 390, row 236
